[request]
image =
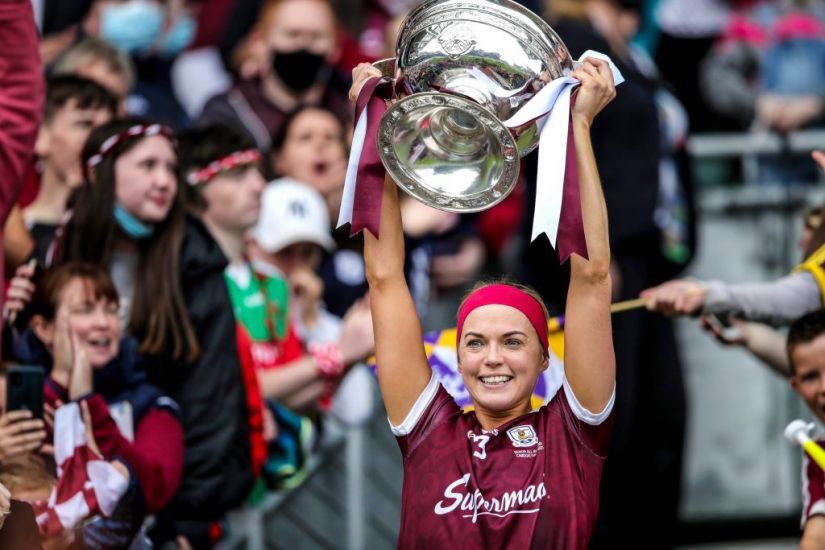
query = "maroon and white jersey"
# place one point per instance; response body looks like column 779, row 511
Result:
column 531, row 483
column 813, row 488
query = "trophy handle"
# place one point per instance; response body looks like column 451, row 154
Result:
column 386, row 66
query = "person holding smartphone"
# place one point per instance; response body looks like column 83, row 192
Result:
column 19, row 432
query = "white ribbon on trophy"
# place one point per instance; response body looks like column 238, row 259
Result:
column 551, row 106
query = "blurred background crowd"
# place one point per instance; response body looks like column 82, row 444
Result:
column 172, row 259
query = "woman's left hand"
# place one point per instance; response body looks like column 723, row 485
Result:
column 596, row 91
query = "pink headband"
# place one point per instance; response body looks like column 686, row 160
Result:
column 223, row 164
column 505, row 295
column 138, row 130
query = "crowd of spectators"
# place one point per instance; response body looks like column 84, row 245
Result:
column 174, row 265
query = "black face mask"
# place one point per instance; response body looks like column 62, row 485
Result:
column 299, row 69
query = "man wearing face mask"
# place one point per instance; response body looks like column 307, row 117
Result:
column 293, row 49
column 153, row 33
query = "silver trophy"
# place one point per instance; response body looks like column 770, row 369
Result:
column 465, row 67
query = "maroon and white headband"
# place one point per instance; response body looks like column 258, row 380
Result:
column 223, row 164
column 138, row 130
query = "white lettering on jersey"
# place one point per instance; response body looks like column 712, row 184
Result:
column 481, row 441
column 479, row 505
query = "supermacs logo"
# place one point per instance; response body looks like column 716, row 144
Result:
column 476, row 504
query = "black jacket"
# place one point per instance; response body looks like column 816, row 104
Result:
column 210, row 393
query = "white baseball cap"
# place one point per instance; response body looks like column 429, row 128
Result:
column 291, row 212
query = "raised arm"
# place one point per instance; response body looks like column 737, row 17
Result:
column 403, row 370
column 589, row 362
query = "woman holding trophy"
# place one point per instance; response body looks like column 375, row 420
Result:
column 502, row 475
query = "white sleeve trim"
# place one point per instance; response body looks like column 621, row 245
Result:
column 418, row 408
column 594, row 419
column 818, row 509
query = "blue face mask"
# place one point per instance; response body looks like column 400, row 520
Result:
column 131, row 225
column 131, row 26
column 178, row 37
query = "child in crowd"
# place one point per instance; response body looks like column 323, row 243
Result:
column 806, row 355
column 74, row 107
column 98, row 60
column 290, row 241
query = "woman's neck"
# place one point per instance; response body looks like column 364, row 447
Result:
column 490, row 420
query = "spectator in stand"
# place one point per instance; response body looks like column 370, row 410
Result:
column 310, row 147
column 97, row 60
column 806, row 359
column 222, row 169
column 129, row 218
column 768, row 72
column 777, row 302
column 297, row 39
column 76, row 336
column 31, row 478
column 153, row 33
column 74, row 107
column 289, row 242
column 688, row 30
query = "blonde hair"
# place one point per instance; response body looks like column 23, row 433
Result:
column 557, row 9
column 96, row 50
column 26, row 472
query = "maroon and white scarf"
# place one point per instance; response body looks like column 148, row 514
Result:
column 87, row 485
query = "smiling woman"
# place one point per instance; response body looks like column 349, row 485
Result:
column 502, row 475
column 129, row 218
column 76, row 335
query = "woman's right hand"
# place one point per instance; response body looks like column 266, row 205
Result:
column 20, row 433
column 360, row 75
column 596, row 91
column 20, row 292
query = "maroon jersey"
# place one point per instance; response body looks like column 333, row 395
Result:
column 531, row 483
column 813, row 488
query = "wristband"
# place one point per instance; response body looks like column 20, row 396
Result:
column 328, row 359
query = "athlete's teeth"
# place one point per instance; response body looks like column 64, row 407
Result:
column 495, row 379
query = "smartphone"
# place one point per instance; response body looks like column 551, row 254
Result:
column 24, row 389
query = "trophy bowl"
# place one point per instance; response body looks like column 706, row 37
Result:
column 465, row 67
